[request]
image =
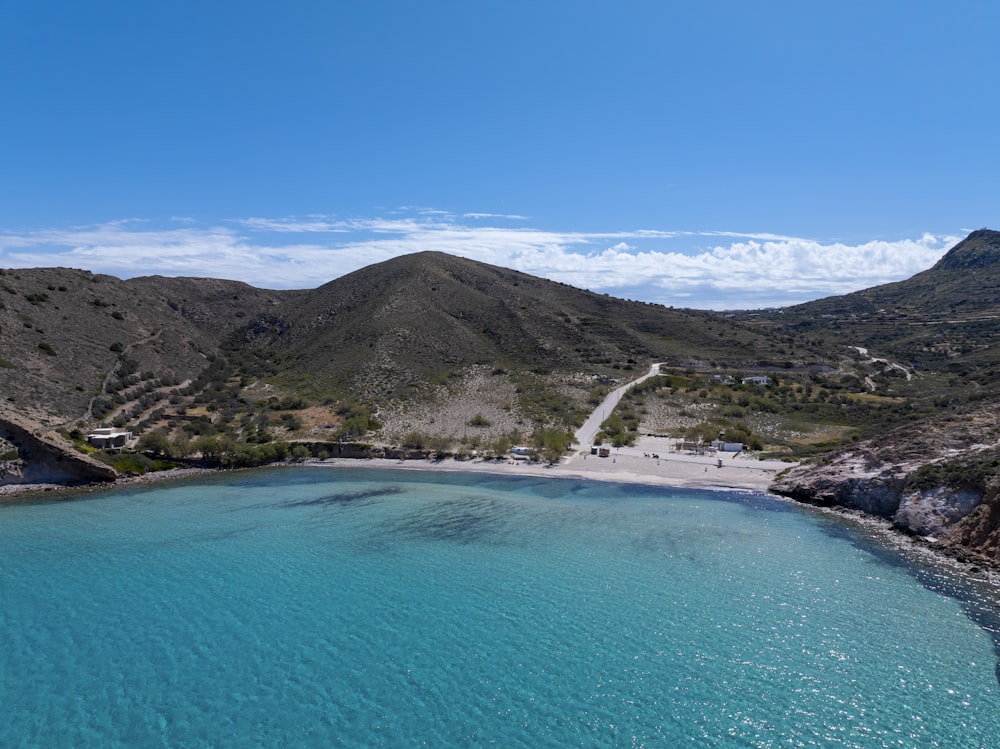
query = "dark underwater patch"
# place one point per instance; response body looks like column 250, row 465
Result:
column 465, row 521
column 344, row 498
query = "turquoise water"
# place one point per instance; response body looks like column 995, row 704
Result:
column 327, row 607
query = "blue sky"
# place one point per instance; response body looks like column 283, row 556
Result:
column 709, row 154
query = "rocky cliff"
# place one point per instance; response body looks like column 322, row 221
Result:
column 937, row 480
column 46, row 458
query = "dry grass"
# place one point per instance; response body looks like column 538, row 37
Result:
column 475, row 396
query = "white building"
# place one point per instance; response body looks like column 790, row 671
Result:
column 108, row 437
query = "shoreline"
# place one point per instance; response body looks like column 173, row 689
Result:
column 647, row 463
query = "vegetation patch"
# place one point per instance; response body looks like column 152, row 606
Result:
column 970, row 472
column 132, row 464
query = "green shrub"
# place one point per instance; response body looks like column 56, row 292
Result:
column 132, row 464
column 415, row 441
column 552, row 443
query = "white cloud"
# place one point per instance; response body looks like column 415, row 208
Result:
column 682, row 268
column 509, row 216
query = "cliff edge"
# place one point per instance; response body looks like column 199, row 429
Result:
column 46, row 457
column 936, row 480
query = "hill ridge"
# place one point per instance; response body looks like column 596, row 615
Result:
column 981, row 249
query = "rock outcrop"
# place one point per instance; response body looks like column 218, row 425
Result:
column 48, row 458
column 940, row 483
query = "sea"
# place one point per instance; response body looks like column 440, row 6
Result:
column 355, row 607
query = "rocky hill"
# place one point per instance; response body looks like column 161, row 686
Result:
column 420, row 317
column 424, row 343
column 939, row 475
column 895, row 389
column 945, row 320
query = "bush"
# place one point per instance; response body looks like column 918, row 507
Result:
column 415, row 441
column 132, row 464
column 291, row 422
column 552, row 443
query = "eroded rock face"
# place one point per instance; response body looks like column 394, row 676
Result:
column 935, row 511
column 49, row 459
column 962, row 520
column 846, row 480
column 879, row 495
column 979, row 531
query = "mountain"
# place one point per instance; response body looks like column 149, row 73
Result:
column 942, row 320
column 893, row 392
column 937, row 476
column 422, row 316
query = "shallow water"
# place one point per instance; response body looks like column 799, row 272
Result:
column 338, row 607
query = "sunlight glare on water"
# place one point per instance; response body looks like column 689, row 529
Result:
column 337, row 607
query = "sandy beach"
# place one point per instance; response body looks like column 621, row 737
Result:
column 635, row 465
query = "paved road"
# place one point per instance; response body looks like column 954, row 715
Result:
column 585, row 434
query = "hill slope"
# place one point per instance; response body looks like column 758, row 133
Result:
column 942, row 320
column 422, row 316
column 69, row 336
column 939, row 476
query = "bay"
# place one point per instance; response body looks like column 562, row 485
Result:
column 349, row 607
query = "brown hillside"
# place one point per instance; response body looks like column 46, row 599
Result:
column 67, row 335
column 425, row 315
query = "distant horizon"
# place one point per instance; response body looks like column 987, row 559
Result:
column 713, row 155
column 710, row 270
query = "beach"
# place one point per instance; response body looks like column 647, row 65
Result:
column 652, row 460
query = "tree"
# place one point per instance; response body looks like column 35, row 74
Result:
column 180, row 447
column 213, row 448
column 156, row 442
column 552, row 443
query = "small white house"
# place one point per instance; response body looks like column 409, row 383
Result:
column 757, row 380
column 727, row 447
column 106, row 438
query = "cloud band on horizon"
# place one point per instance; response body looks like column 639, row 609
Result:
column 679, row 268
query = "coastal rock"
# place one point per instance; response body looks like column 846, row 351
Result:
column 952, row 500
column 933, row 512
column 48, row 458
column 979, row 531
column 846, row 480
